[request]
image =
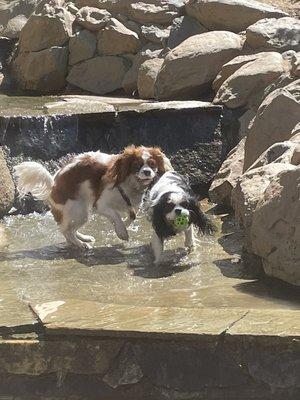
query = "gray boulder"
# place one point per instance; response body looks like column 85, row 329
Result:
column 116, row 39
column 190, row 67
column 274, row 122
column 147, row 77
column 82, row 46
column 231, row 15
column 99, row 75
column 276, row 34
column 92, row 18
column 246, row 86
column 42, row 71
column 182, row 28
column 51, row 28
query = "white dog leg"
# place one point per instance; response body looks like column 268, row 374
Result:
column 189, row 239
column 157, row 245
column 117, row 221
column 75, row 215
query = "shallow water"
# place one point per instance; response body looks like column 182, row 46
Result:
column 36, row 266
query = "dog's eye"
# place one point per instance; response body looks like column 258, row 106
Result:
column 151, row 163
column 136, row 166
column 184, row 204
column 169, row 207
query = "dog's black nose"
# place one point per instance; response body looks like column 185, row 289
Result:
column 177, row 211
column 147, row 172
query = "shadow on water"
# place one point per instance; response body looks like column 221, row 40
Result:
column 272, row 288
column 138, row 258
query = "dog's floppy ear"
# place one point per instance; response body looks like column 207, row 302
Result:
column 159, row 223
column 121, row 167
column 200, row 219
column 163, row 163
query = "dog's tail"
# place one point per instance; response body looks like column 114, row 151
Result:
column 33, row 178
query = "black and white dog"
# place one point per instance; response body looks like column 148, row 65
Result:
column 169, row 198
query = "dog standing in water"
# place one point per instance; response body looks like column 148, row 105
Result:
column 173, row 208
column 112, row 184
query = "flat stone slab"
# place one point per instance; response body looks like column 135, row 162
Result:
column 92, row 318
column 15, row 315
column 268, row 323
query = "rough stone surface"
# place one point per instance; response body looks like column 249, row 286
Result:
column 92, row 18
column 277, row 34
column 225, row 180
column 182, row 28
column 232, row 66
column 42, row 71
column 129, row 83
column 116, row 39
column 281, row 152
column 7, row 187
column 231, row 15
column 99, row 75
column 246, row 86
column 191, row 66
column 147, row 76
column 14, row 27
column 45, row 31
column 248, row 191
column 113, row 6
column 158, row 13
column 245, row 122
column 53, row 28
column 155, row 33
column 295, row 61
column 275, row 232
column 82, row 46
column 274, row 121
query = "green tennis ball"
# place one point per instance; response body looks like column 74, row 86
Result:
column 181, row 221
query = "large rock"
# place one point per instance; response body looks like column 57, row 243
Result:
column 82, row 46
column 232, row 66
column 43, row 31
column 275, row 231
column 159, row 13
column 246, row 86
column 182, row 28
column 191, row 66
column 14, row 27
column 113, row 6
column 248, row 191
column 147, row 76
column 155, row 33
column 277, row 34
column 7, row 187
column 274, row 121
column 295, row 61
column 226, row 179
column 43, row 71
column 231, row 15
column 99, row 75
column 281, row 152
column 116, row 39
column 13, row 8
column 92, row 18
column 129, row 83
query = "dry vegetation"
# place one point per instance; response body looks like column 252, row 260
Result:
column 290, row 6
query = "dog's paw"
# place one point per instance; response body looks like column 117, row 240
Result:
column 87, row 238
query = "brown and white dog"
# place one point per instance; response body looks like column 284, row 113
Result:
column 112, row 184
